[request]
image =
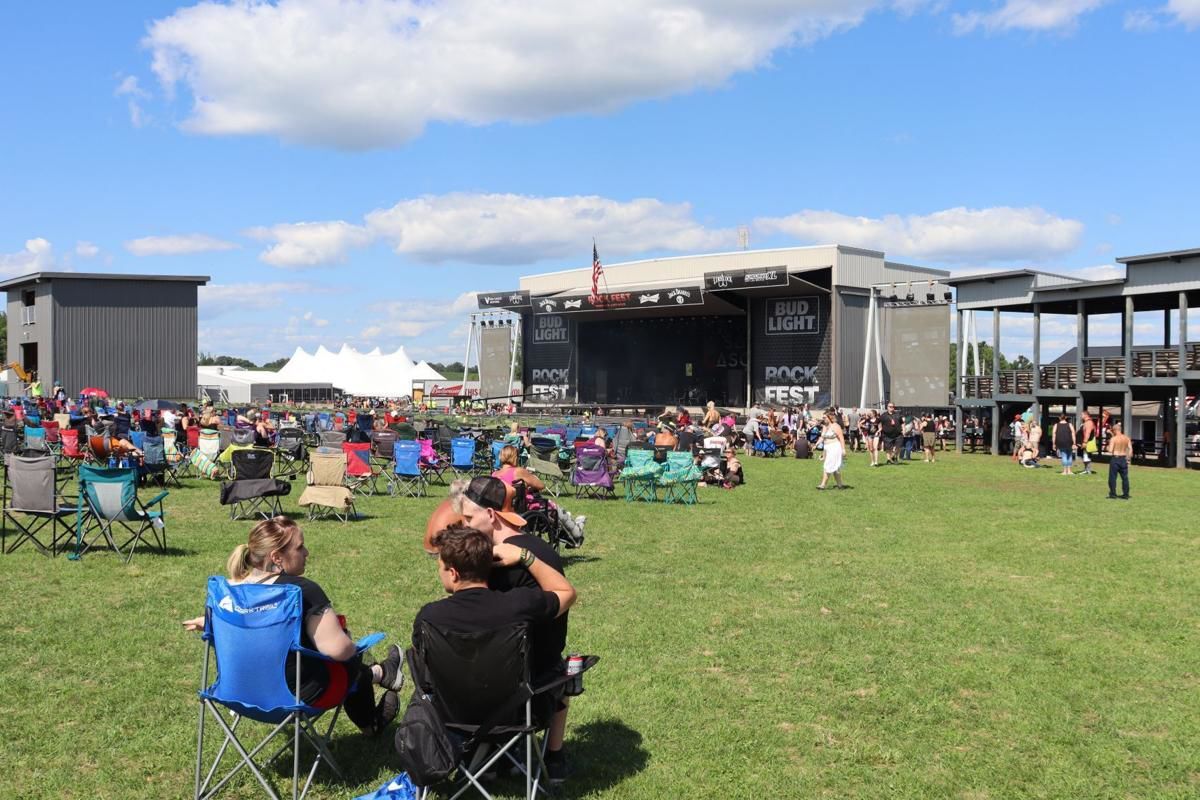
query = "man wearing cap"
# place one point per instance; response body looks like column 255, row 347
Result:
column 666, row 436
column 487, row 507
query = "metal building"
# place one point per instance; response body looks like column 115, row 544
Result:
column 781, row 326
column 132, row 335
column 1090, row 377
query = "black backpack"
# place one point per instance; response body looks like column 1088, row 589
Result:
column 427, row 751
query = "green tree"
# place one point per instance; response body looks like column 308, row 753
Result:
column 985, row 360
column 276, row 365
column 3, row 337
column 208, row 360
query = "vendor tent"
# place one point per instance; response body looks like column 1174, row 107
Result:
column 373, row 374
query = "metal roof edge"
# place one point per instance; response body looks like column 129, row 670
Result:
column 693, row 255
column 1169, row 255
column 35, row 277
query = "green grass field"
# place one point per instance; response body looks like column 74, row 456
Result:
column 967, row 629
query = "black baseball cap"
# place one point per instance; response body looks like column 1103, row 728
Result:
column 493, row 493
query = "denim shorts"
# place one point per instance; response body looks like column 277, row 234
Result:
column 1067, row 457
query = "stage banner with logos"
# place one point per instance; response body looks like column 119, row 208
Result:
column 791, row 350
column 668, row 297
column 548, row 358
column 512, row 301
column 756, row 278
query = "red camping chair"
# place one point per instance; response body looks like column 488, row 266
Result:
column 361, row 474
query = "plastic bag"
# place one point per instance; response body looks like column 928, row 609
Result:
column 398, row 788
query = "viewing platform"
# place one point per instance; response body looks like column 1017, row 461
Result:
column 1088, row 377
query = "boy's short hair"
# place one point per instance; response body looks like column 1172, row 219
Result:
column 465, row 549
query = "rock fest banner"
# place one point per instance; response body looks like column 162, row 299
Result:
column 646, row 298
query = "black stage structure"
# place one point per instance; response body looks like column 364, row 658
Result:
column 784, row 331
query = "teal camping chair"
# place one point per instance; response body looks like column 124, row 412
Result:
column 108, row 500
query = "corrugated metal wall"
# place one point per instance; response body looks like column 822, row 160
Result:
column 38, row 333
column 133, row 338
column 851, row 344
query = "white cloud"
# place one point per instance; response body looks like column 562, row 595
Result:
column 310, row 244
column 128, row 87
column 955, row 235
column 314, row 320
column 1186, row 12
column 181, row 245
column 374, row 73
column 1141, row 20
column 36, row 256
column 1030, row 15
column 216, row 299
column 1101, row 272
column 516, row 229
column 86, row 250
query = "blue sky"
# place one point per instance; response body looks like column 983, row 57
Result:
column 349, row 171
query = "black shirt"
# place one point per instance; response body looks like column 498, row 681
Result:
column 548, row 638
column 313, row 600
column 890, row 424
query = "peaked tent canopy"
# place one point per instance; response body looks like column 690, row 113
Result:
column 373, row 374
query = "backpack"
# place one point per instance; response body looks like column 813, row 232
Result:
column 426, row 750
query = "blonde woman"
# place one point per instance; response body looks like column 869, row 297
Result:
column 275, row 554
column 711, row 416
column 834, row 441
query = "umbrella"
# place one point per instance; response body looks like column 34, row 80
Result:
column 92, row 391
column 157, row 405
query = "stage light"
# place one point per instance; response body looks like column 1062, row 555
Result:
column 948, row 296
column 909, row 297
column 929, row 297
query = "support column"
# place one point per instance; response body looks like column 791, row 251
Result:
column 1183, row 326
column 960, row 360
column 1080, row 340
column 996, row 429
column 1127, row 339
column 995, row 351
column 866, row 369
column 1179, row 440
column 1036, row 387
column 749, row 348
column 1127, row 412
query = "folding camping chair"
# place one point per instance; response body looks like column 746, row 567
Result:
column 326, row 494
column 248, row 626
column 332, row 439
column 462, row 456
column 640, row 475
column 154, row 461
column 253, row 492
column 204, row 458
column 383, row 445
column 53, row 435
column 679, row 479
column 496, row 447
column 591, row 476
column 481, row 684
column 71, row 453
column 108, row 500
column 432, row 464
column 407, row 475
column 33, row 505
column 171, row 451
column 35, row 439
column 291, row 452
column 544, row 462
column 100, row 449
column 362, row 476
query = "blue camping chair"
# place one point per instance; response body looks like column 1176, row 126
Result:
column 496, row 448
column 138, row 439
column 462, row 456
column 407, row 475
column 248, row 626
column 108, row 500
column 35, row 439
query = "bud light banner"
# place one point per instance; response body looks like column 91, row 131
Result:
column 791, row 350
column 549, row 359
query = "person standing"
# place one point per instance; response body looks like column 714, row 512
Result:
column 1087, row 442
column 891, row 428
column 835, row 447
column 1064, row 443
column 1120, row 448
column 868, row 427
column 928, row 436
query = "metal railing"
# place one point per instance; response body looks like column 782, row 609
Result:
column 1107, row 369
column 1016, row 381
column 1058, row 376
column 1157, row 362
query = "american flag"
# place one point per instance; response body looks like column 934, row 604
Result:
column 597, row 273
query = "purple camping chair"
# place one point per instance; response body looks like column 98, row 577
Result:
column 591, row 476
column 431, row 463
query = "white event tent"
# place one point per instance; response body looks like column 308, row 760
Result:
column 373, row 374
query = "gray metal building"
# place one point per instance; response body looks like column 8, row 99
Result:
column 132, row 335
column 779, row 326
column 1092, row 377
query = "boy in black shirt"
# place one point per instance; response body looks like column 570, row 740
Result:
column 467, row 560
column 891, row 426
column 487, row 507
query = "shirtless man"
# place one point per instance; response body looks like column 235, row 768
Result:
column 1121, row 449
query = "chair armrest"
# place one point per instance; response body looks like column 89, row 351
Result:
column 368, row 641
column 588, row 663
column 158, row 498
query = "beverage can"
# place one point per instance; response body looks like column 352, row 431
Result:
column 574, row 664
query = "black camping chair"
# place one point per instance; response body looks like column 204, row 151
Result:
column 253, row 492
column 480, row 683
